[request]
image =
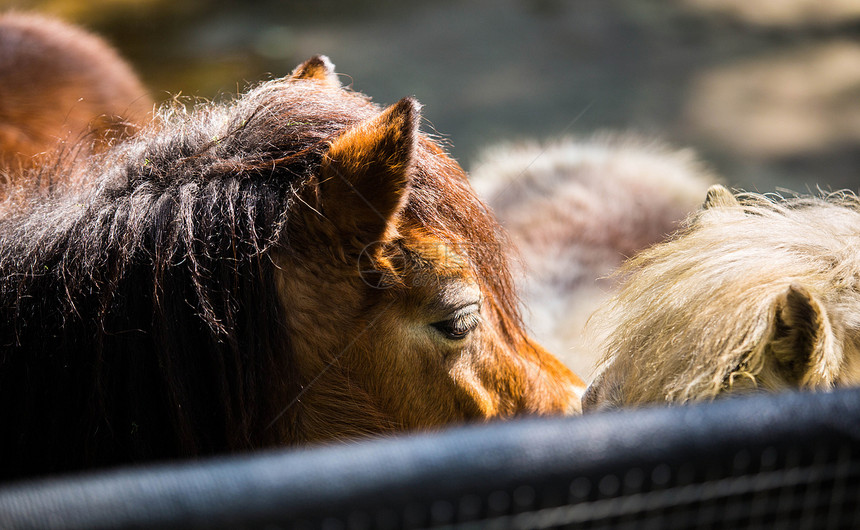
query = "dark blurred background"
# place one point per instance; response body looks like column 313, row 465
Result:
column 768, row 92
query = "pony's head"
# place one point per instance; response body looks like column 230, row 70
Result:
column 299, row 265
column 400, row 273
column 756, row 294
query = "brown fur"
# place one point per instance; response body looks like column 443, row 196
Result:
column 296, row 266
column 60, row 84
column 757, row 293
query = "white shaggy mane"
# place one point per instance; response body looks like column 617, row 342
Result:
column 699, row 308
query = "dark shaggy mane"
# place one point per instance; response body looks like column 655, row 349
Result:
column 143, row 290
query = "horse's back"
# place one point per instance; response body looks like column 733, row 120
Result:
column 58, row 82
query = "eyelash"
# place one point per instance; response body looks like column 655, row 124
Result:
column 458, row 327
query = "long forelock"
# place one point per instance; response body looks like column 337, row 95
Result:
column 443, row 202
column 695, row 307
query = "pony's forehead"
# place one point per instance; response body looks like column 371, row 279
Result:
column 837, row 215
column 800, row 231
column 444, row 222
column 427, row 252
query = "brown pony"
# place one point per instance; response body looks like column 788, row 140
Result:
column 293, row 267
column 756, row 294
column 576, row 208
column 59, row 83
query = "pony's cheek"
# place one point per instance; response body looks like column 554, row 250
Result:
column 479, row 399
column 444, row 379
column 595, row 400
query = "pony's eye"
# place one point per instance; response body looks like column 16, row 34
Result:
column 460, row 324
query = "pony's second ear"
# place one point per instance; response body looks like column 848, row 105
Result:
column 366, row 175
column 719, row 197
column 319, row 68
column 802, row 342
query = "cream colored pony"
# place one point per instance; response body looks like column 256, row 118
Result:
column 576, row 209
column 758, row 293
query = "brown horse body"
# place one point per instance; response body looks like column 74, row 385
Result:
column 58, row 84
column 757, row 294
column 296, row 266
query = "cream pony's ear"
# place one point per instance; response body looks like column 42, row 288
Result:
column 802, row 341
column 318, row 68
column 719, row 197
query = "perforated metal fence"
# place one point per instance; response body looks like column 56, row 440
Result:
column 785, row 461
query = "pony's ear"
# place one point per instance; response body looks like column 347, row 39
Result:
column 719, row 197
column 802, row 342
column 366, row 175
column 319, row 68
